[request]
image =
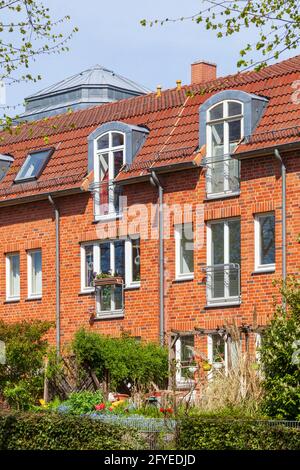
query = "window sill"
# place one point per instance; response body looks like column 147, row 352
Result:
column 267, row 270
column 12, row 301
column 32, row 298
column 87, row 292
column 224, row 303
column 184, row 278
column 109, row 316
column 134, row 285
column 212, row 197
column 107, row 217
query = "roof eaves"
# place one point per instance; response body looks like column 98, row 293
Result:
column 266, row 150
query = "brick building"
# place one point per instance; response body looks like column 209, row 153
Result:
column 190, row 195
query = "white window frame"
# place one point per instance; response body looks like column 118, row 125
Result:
column 225, row 119
column 180, row 379
column 227, row 299
column 210, row 355
column 112, row 214
column 179, row 276
column 32, row 295
column 258, row 267
column 9, row 296
column 129, row 283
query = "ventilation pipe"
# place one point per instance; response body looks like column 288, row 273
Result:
column 156, row 183
column 57, row 265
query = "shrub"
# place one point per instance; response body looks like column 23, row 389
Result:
column 280, row 357
column 126, row 359
column 21, row 378
column 83, row 402
column 52, row 431
column 214, row 432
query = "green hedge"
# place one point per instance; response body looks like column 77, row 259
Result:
column 234, row 434
column 51, row 431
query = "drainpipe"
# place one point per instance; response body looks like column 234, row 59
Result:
column 283, row 211
column 57, row 265
column 155, row 182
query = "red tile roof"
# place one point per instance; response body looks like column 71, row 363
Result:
column 173, row 122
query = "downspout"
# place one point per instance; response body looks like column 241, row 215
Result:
column 283, row 210
column 155, row 182
column 57, row 269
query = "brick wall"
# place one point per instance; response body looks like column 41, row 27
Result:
column 31, row 225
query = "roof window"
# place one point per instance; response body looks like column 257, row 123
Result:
column 34, row 165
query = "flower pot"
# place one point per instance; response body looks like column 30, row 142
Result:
column 206, row 367
column 108, row 281
column 218, row 365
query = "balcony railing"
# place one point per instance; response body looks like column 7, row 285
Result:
column 222, row 176
column 223, row 284
column 107, row 198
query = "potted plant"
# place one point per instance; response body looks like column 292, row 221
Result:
column 218, row 361
column 107, row 279
column 206, row 366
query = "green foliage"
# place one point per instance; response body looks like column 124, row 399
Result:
column 273, row 24
column 83, row 402
column 214, row 432
column 21, row 377
column 53, row 431
column 280, row 356
column 126, row 359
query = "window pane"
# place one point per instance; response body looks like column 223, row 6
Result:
column 187, row 348
column 103, row 142
column 216, row 277
column 105, row 298
column 33, row 165
column 217, row 132
column 136, row 260
column 234, row 134
column 36, row 272
column 216, row 172
column 267, row 239
column 216, row 112
column 234, row 241
column 218, row 346
column 118, row 298
column 186, row 250
column 118, row 162
column 104, row 184
column 89, row 265
column 105, row 258
column 119, row 258
column 234, row 109
column 14, row 276
column 117, row 139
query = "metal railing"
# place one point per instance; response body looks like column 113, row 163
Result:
column 223, row 283
column 222, row 176
column 107, row 198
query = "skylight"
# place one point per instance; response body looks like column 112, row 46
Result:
column 34, row 165
column 5, row 164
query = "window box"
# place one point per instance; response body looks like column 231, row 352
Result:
column 108, row 281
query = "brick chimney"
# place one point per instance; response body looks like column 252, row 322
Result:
column 203, row 71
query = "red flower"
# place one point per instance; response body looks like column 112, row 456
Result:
column 110, row 409
column 162, row 410
column 169, row 410
column 100, row 407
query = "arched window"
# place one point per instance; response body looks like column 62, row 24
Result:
column 109, row 159
column 225, row 128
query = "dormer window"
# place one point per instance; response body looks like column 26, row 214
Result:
column 33, row 165
column 111, row 146
column 224, row 131
column 109, row 161
column 225, row 118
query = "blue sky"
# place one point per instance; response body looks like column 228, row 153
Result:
column 110, row 35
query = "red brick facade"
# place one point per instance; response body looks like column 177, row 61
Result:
column 26, row 225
